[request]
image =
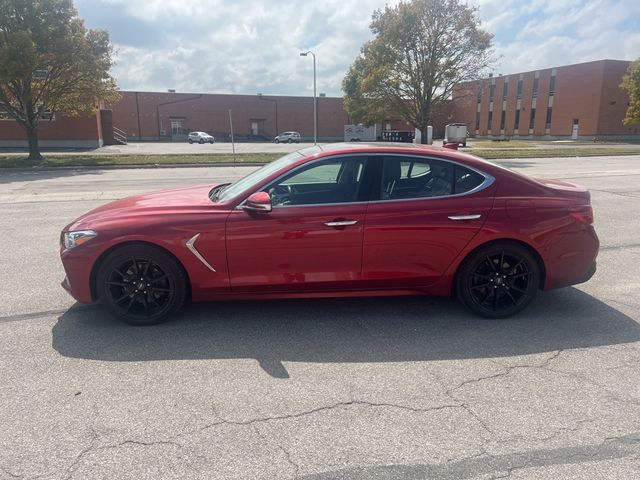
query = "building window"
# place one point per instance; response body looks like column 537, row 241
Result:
column 176, row 127
column 502, row 115
column 548, row 122
column 479, row 97
column 536, row 82
column 490, row 121
column 532, row 119
column 519, row 89
column 552, row 85
column 477, row 120
column 516, row 124
column 492, row 91
column 505, row 90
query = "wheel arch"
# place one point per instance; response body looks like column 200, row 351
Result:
column 97, row 264
column 527, row 246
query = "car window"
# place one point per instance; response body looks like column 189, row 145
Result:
column 331, row 181
column 466, row 180
column 404, row 177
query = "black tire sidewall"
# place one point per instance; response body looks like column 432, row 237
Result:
column 166, row 262
column 471, row 262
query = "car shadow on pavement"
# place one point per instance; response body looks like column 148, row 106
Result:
column 346, row 330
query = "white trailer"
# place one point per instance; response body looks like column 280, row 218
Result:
column 456, row 133
column 360, row 133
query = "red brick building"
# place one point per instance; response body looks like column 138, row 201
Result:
column 169, row 116
column 581, row 101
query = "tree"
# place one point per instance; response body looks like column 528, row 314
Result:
column 421, row 49
column 631, row 83
column 50, row 63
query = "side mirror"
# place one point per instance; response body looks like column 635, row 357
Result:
column 258, row 202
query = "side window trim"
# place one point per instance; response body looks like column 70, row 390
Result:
column 366, row 174
column 487, row 182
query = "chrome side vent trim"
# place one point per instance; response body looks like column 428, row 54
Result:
column 191, row 246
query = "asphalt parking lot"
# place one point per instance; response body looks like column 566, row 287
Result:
column 396, row 388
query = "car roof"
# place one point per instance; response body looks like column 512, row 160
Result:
column 401, row 149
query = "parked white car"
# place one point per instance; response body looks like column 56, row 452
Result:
column 200, row 137
column 288, row 137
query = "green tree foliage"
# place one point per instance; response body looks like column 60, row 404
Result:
column 631, row 83
column 50, row 63
column 421, row 49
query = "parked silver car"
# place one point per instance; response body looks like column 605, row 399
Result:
column 288, row 137
column 200, row 137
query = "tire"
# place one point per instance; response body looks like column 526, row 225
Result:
column 141, row 284
column 277, row 141
column 212, row 142
column 201, row 142
column 190, row 141
column 289, row 141
column 498, row 280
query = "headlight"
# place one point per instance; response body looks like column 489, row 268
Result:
column 77, row 238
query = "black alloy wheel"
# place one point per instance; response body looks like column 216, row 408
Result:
column 141, row 285
column 499, row 280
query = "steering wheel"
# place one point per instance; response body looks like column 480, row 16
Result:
column 281, row 194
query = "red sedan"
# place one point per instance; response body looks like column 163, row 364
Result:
column 333, row 221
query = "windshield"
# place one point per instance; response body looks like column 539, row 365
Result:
column 256, row 177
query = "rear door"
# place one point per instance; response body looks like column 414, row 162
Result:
column 427, row 211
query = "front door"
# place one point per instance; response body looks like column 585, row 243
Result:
column 312, row 238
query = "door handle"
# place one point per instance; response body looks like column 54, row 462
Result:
column 464, row 217
column 340, row 223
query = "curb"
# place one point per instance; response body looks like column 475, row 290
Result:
column 132, row 166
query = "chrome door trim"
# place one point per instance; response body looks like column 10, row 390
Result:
column 192, row 248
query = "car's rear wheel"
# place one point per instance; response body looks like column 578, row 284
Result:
column 201, row 142
column 141, row 284
column 498, row 280
column 289, row 141
column 277, row 141
column 190, row 141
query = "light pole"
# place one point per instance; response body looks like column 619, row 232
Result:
column 315, row 100
column 275, row 102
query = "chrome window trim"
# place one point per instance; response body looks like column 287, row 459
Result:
column 192, row 248
column 487, row 182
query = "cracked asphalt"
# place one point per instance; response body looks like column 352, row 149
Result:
column 396, row 388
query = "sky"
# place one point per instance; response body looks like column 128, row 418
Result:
column 253, row 46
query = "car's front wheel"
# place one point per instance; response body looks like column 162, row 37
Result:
column 141, row 284
column 201, row 142
column 289, row 141
column 498, row 280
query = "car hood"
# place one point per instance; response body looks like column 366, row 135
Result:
column 192, row 199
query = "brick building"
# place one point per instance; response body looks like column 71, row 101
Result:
column 581, row 101
column 169, row 116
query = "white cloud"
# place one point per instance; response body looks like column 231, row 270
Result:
column 251, row 46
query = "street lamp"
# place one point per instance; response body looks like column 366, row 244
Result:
column 275, row 102
column 315, row 101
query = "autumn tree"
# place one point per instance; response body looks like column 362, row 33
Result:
column 421, row 49
column 50, row 63
column 631, row 83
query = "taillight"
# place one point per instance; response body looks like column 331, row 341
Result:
column 583, row 213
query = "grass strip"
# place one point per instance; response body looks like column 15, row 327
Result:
column 15, row 161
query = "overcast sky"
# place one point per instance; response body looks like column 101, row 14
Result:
column 251, row 46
